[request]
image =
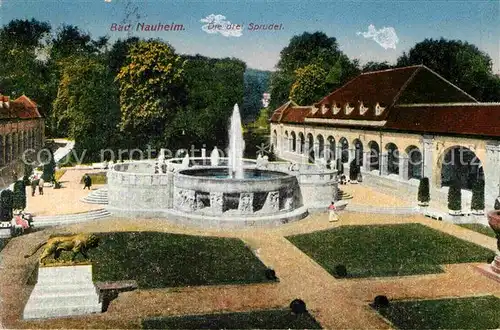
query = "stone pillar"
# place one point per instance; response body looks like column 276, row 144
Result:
column 352, row 155
column 245, row 206
column 491, row 173
column 203, row 152
column 272, row 203
column 403, row 167
column 217, row 202
column 366, row 161
column 338, row 152
column 428, row 156
column 316, row 151
column 384, row 163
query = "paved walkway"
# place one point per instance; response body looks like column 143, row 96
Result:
column 62, row 201
column 335, row 303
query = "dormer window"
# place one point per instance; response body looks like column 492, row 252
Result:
column 379, row 109
column 324, row 108
column 362, row 109
column 314, row 109
column 336, row 109
column 348, row 109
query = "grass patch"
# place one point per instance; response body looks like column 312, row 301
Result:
column 97, row 178
column 157, row 260
column 482, row 229
column 269, row 319
column 459, row 313
column 3, row 242
column 387, row 250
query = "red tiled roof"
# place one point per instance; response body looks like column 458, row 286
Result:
column 295, row 114
column 466, row 119
column 21, row 108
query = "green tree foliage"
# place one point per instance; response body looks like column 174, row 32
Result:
column 152, row 90
column 309, row 85
column 87, row 106
column 214, row 86
column 423, row 191
column 71, row 41
column 256, row 83
column 308, row 49
column 19, row 196
column 459, row 62
column 477, row 202
column 376, row 66
column 455, row 196
column 116, row 57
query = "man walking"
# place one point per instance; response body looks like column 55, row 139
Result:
column 87, row 181
column 34, row 183
column 40, row 186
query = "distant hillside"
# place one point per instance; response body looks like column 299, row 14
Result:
column 256, row 82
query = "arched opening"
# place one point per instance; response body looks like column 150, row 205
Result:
column 344, row 150
column 310, row 147
column 302, row 143
column 374, row 157
column 274, row 140
column 321, row 146
column 358, row 152
column 461, row 164
column 392, row 158
column 331, row 148
column 294, row 142
column 414, row 162
column 286, row 142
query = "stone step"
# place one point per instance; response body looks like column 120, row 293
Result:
column 69, row 310
column 48, row 222
column 63, row 288
column 72, row 216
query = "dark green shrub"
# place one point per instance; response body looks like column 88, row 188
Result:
column 477, row 202
column 271, row 274
column 381, row 302
column 354, row 170
column 341, row 270
column 490, row 259
column 19, row 195
column 423, row 191
column 455, row 196
column 49, row 165
column 298, row 306
column 6, row 201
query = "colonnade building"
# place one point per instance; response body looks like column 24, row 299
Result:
column 399, row 125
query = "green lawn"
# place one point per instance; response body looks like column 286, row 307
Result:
column 485, row 230
column 97, row 178
column 459, row 313
column 387, row 250
column 157, row 260
column 270, row 319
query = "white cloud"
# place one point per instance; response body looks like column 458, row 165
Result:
column 385, row 37
column 219, row 24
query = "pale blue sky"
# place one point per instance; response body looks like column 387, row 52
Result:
column 476, row 21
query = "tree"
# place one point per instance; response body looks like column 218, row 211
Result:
column 87, row 106
column 309, row 85
column 19, row 195
column 116, row 57
column 477, row 202
column 423, row 191
column 151, row 91
column 459, row 62
column 375, row 66
column 70, row 41
column 455, row 196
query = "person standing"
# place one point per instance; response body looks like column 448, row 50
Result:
column 34, row 183
column 40, row 186
column 87, row 180
column 332, row 215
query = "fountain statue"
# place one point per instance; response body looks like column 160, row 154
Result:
column 185, row 161
column 214, row 157
column 236, row 145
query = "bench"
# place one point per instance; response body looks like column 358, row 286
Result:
column 109, row 290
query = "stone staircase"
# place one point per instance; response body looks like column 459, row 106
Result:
column 99, row 196
column 68, row 219
column 342, row 195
